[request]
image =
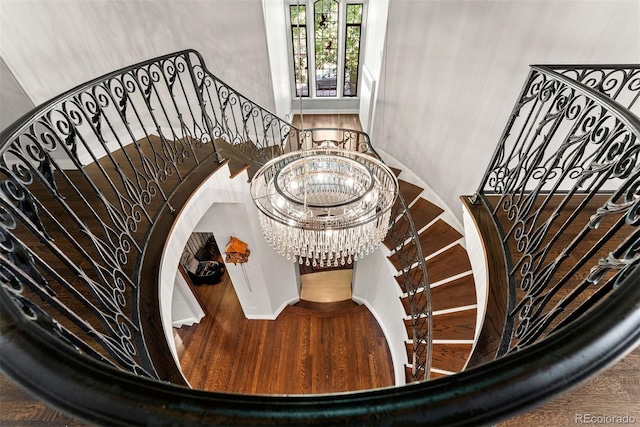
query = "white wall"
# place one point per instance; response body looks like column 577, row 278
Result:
column 55, row 45
column 276, row 27
column 13, row 101
column 267, row 282
column 375, row 36
column 185, row 308
column 262, row 302
column 453, row 70
column 375, row 286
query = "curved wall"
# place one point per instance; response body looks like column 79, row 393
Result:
column 223, row 205
column 374, row 285
column 268, row 282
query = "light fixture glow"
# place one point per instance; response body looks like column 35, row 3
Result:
column 325, row 206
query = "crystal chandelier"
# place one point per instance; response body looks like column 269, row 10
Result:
column 324, row 206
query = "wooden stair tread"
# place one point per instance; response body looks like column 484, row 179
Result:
column 450, row 357
column 236, row 167
column 435, row 375
column 420, row 301
column 446, row 357
column 422, row 213
column 395, row 171
column 432, row 239
column 458, row 293
column 449, row 263
column 459, row 325
column 432, row 375
column 408, row 191
column 436, row 237
column 334, row 309
column 326, row 306
column 242, row 156
column 408, row 372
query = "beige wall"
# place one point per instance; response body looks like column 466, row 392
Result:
column 55, row 45
column 453, row 70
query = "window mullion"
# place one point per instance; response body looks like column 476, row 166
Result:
column 311, row 48
column 342, row 19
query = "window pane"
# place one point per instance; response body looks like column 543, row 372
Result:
column 326, row 47
column 298, row 15
column 352, row 49
column 299, row 39
column 354, row 14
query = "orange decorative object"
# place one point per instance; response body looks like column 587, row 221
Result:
column 237, row 251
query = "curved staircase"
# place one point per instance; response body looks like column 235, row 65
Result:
column 74, row 245
column 453, row 292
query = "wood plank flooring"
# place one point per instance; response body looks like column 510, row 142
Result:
column 326, row 286
column 342, row 121
column 615, row 392
column 303, row 351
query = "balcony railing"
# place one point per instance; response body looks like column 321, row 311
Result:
column 86, row 178
column 568, row 160
column 89, row 177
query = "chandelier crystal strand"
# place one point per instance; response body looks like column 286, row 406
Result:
column 325, row 206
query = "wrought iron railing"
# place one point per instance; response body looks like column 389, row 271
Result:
column 84, row 180
column 564, row 188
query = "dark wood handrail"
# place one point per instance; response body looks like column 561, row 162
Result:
column 486, row 394
column 488, row 343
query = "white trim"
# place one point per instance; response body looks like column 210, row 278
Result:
column 455, row 309
column 450, row 279
column 442, row 371
column 275, row 315
column 196, row 313
column 470, row 342
column 445, row 311
column 460, row 242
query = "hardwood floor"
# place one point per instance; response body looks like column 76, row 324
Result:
column 615, row 392
column 345, row 121
column 326, row 286
column 305, row 350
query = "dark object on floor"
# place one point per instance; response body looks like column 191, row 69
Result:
column 208, row 273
